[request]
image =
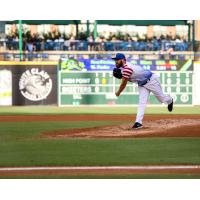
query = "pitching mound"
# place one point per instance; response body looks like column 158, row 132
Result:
column 156, row 128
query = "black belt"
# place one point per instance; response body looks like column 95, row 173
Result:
column 142, row 83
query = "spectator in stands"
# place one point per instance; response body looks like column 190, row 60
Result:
column 15, row 42
column 2, row 42
column 115, row 42
column 156, row 44
column 61, row 42
column 149, row 45
column 90, row 43
column 9, row 42
column 73, row 43
column 178, row 39
column 82, row 35
column 29, row 44
column 99, row 43
column 129, row 44
column 108, row 41
column 41, row 41
column 66, row 45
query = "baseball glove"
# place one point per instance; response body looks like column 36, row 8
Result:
column 117, row 73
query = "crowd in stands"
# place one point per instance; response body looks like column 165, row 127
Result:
column 113, row 42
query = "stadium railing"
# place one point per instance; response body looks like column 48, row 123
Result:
column 77, row 45
column 136, row 55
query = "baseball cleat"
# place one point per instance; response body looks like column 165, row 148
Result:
column 170, row 106
column 137, row 125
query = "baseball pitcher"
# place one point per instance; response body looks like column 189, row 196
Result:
column 147, row 82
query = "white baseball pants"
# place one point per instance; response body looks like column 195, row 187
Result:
column 153, row 86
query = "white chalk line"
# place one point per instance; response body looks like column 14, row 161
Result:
column 152, row 167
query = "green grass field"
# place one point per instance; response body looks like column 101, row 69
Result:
column 29, row 110
column 21, row 144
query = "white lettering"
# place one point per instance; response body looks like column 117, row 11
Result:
column 68, row 80
column 35, row 85
column 76, row 90
column 83, row 80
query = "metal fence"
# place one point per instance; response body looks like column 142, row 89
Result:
column 57, row 55
column 77, row 45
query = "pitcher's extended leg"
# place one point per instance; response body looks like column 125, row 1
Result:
column 155, row 87
column 143, row 98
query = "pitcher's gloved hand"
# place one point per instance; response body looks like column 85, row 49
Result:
column 117, row 73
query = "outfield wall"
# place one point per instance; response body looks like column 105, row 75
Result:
column 84, row 81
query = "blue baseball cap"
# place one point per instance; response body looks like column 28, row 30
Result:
column 119, row 56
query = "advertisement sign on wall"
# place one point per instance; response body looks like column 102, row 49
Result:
column 5, row 87
column 32, row 84
column 82, row 64
column 35, row 84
